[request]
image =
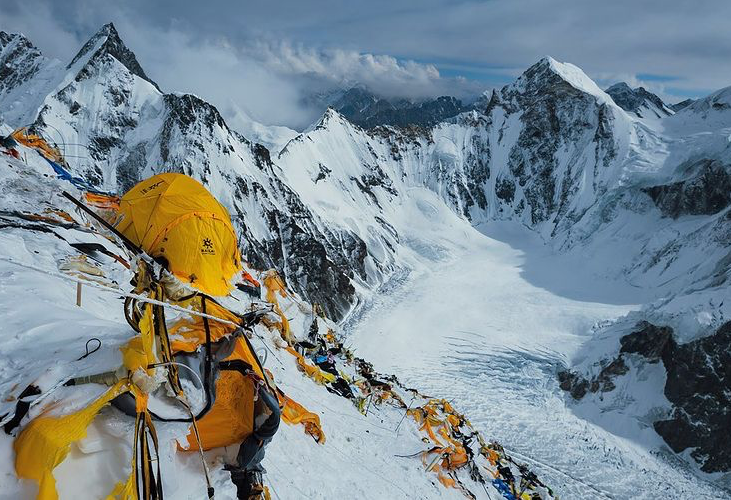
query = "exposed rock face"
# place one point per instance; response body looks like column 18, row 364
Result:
column 638, row 101
column 698, row 385
column 316, row 261
column 556, row 115
column 368, row 110
column 706, row 193
column 20, row 60
column 655, row 343
column 681, row 105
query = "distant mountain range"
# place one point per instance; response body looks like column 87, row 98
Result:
column 369, row 110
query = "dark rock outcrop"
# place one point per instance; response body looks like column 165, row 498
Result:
column 573, row 383
column 634, row 100
column 653, row 342
column 698, row 385
column 707, row 192
column 578, row 386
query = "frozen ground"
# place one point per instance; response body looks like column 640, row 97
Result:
column 488, row 325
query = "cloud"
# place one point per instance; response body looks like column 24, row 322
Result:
column 263, row 56
column 271, row 80
column 41, row 26
column 268, row 79
column 382, row 74
column 219, row 73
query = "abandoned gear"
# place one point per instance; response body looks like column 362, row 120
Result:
column 246, row 474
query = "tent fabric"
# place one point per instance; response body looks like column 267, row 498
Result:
column 294, row 413
column 275, row 286
column 102, row 200
column 46, row 441
column 173, row 216
column 439, row 421
column 55, row 159
column 189, row 332
column 315, row 373
column 231, row 419
column 35, row 141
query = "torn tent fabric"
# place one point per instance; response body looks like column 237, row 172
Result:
column 315, row 373
column 275, row 286
column 294, row 413
column 46, row 440
column 35, row 141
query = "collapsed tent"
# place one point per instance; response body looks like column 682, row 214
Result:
column 58, row 163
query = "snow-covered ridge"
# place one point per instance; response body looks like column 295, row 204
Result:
column 576, row 77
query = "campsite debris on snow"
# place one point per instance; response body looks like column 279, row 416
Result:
column 453, row 451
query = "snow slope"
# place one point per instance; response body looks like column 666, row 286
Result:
column 44, row 338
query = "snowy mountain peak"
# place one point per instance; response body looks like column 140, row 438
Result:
column 550, row 72
column 638, row 101
column 711, row 113
column 718, row 101
column 329, row 118
column 107, row 41
column 20, row 60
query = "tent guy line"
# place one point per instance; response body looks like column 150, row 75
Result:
column 141, row 298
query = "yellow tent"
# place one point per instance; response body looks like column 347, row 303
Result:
column 174, row 218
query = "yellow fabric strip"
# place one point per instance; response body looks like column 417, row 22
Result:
column 46, row 441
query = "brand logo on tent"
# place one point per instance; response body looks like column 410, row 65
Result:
column 151, row 187
column 207, row 247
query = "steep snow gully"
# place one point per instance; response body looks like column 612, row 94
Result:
column 488, row 323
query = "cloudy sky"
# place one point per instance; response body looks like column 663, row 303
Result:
column 261, row 57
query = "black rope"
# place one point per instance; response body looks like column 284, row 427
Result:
column 88, row 352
